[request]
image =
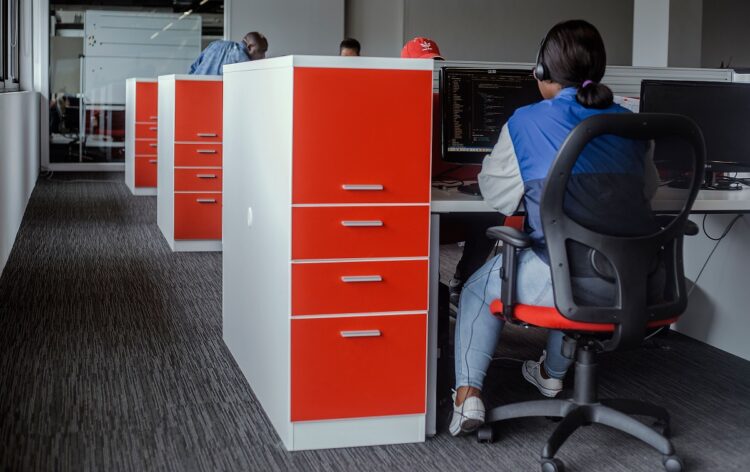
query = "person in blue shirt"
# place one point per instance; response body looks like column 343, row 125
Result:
column 219, row 53
column 573, row 61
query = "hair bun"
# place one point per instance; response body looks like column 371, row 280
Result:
column 594, row 95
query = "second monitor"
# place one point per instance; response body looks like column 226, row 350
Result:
column 475, row 105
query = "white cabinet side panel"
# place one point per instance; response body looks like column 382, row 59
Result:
column 130, row 134
column 257, row 234
column 165, row 156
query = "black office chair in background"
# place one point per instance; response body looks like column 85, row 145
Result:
column 646, row 277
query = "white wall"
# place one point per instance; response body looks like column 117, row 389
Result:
column 511, row 30
column 650, row 33
column 377, row 25
column 291, row 26
column 19, row 162
column 726, row 33
column 685, row 33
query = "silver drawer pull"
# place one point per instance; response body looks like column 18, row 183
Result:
column 348, row 279
column 153, row 145
column 206, row 151
column 153, row 117
column 152, row 161
column 153, row 128
column 371, row 188
column 207, row 135
column 206, row 176
column 367, row 333
column 205, row 200
column 361, row 224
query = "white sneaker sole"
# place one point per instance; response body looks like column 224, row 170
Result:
column 547, row 392
column 468, row 425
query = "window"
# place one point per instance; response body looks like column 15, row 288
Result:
column 9, row 44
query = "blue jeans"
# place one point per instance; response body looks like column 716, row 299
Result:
column 478, row 330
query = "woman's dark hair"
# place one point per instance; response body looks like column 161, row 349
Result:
column 573, row 55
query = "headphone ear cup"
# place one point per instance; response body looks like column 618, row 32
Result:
column 540, row 72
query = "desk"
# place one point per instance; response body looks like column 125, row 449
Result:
column 727, row 325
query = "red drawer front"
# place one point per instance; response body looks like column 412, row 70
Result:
column 197, row 155
column 198, row 110
column 197, row 180
column 197, row 216
column 146, row 130
column 363, row 375
column 362, row 136
column 351, row 232
column 146, row 148
column 145, row 171
column 146, row 101
column 359, row 287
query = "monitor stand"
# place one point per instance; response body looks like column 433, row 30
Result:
column 470, row 189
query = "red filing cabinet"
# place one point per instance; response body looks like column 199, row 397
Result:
column 190, row 162
column 326, row 244
column 141, row 130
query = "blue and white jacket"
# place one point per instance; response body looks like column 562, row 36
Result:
column 216, row 55
column 601, row 186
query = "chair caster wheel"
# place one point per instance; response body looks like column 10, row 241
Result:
column 663, row 428
column 486, row 434
column 672, row 464
column 552, row 465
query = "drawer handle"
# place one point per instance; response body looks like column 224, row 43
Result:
column 361, row 224
column 348, row 279
column 206, row 176
column 371, row 188
column 152, row 161
column 367, row 333
column 153, row 128
column 153, row 145
column 206, row 151
column 207, row 135
column 153, row 117
column 205, row 200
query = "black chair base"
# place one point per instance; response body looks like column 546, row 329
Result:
column 584, row 409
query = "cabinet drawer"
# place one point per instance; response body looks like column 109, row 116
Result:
column 146, row 101
column 355, row 367
column 145, row 171
column 146, row 131
column 360, row 232
column 197, row 155
column 198, row 110
column 197, row 216
column 359, row 287
column 146, row 148
column 197, row 180
column 362, row 136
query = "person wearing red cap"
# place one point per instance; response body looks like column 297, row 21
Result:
column 457, row 227
column 421, row 48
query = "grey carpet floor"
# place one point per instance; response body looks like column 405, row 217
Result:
column 111, row 358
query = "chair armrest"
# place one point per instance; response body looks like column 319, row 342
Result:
column 510, row 236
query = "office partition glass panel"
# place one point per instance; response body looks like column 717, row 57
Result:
column 95, row 48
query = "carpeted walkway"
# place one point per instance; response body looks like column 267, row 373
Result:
column 111, row 358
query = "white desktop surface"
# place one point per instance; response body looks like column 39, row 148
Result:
column 666, row 199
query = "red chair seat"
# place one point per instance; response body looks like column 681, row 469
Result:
column 549, row 317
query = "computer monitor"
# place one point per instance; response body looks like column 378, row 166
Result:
column 720, row 109
column 475, row 105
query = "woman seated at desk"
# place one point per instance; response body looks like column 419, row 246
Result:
column 570, row 63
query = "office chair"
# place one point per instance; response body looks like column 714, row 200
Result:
column 627, row 262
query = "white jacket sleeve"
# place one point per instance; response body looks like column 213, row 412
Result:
column 500, row 179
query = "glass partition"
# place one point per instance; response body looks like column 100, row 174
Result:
column 94, row 49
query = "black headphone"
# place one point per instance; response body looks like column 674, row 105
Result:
column 540, row 71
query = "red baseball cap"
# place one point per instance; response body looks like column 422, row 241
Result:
column 421, row 48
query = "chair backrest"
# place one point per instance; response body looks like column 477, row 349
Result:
column 629, row 260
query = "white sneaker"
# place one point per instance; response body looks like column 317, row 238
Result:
column 548, row 387
column 467, row 417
